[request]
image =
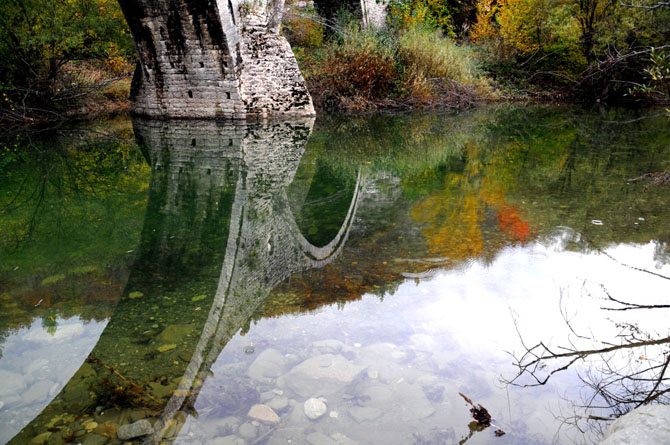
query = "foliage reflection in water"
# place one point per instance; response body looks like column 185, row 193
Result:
column 426, row 242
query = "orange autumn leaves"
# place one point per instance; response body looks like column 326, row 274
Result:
column 511, row 223
column 456, row 221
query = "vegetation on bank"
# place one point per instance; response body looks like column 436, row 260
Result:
column 63, row 57
column 75, row 57
column 443, row 52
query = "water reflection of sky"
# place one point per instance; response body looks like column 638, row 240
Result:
column 451, row 330
column 441, row 331
column 35, row 365
column 456, row 327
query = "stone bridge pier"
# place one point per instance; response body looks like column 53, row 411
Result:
column 213, row 59
column 218, row 236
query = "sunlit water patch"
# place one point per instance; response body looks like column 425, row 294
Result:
column 389, row 369
column 36, row 363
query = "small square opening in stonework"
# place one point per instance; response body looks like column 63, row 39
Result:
column 227, row 95
column 193, row 142
column 202, row 64
column 190, row 94
column 230, row 142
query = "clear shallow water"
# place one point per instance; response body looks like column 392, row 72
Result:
column 379, row 263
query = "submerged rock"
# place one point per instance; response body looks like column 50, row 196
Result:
column 328, row 346
column 320, row 439
column 278, row 403
column 41, row 438
column 649, row 425
column 263, row 413
column 227, row 440
column 269, row 364
column 364, row 413
column 314, row 408
column 323, row 375
column 248, row 431
column 137, row 429
column 95, row 439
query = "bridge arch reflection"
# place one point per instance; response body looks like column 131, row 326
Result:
column 218, row 235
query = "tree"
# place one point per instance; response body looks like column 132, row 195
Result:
column 38, row 38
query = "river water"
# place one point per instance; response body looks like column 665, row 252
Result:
column 336, row 281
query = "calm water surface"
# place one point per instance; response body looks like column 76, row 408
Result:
column 328, row 282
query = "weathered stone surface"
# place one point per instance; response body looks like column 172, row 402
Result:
column 213, row 59
column 269, row 364
column 322, row 375
column 374, row 13
column 263, row 413
column 314, row 408
column 132, row 430
column 649, row 425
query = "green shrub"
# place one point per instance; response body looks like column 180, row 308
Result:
column 303, row 31
column 430, row 55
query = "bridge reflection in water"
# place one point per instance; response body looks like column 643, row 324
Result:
column 219, row 234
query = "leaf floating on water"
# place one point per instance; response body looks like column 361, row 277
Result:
column 165, row 348
column 136, row 294
column 198, row 298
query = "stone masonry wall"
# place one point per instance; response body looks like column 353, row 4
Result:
column 374, row 13
column 204, row 59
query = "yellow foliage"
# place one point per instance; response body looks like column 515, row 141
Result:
column 485, row 27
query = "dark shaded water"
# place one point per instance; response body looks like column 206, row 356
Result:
column 187, row 272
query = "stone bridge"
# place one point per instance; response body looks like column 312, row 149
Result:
column 213, row 59
column 218, row 236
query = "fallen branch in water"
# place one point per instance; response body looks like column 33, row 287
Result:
column 481, row 415
column 655, row 179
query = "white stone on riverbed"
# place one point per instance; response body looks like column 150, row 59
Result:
column 648, row 425
column 314, row 408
